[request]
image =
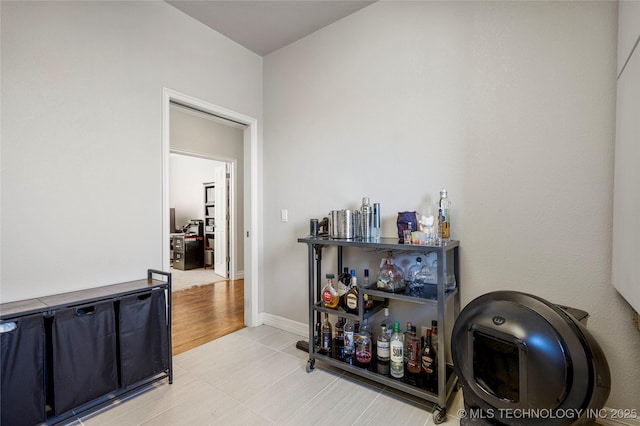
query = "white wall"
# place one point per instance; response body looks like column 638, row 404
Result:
column 510, row 105
column 625, row 271
column 186, row 189
column 81, row 134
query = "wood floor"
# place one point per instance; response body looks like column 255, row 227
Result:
column 204, row 313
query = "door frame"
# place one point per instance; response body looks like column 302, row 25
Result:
column 250, row 193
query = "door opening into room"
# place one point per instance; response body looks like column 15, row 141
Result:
column 201, row 212
column 200, row 140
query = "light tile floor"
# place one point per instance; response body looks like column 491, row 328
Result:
column 256, row 376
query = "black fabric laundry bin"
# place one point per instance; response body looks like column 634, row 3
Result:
column 22, row 381
column 143, row 336
column 84, row 354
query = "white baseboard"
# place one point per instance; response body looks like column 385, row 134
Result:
column 295, row 327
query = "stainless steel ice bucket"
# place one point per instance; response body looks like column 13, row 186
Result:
column 344, row 224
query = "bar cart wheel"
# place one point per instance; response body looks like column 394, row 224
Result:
column 439, row 414
column 311, row 365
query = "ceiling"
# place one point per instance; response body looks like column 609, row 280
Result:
column 267, row 25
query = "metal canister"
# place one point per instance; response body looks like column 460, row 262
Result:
column 344, row 224
column 375, row 232
column 313, row 228
column 366, row 219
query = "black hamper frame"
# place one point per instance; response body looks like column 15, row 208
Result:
column 75, row 353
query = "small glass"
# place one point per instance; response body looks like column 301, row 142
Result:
column 406, row 236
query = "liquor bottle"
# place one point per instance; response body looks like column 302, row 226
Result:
column 363, row 346
column 368, row 300
column 325, row 345
column 413, row 357
column 351, row 299
column 429, row 371
column 390, row 277
column 348, row 341
column 415, row 279
column 434, row 335
column 405, row 348
column 330, row 296
column 396, row 348
column 338, row 341
column 316, row 334
column 383, row 344
column 406, row 233
column 343, row 285
column 413, row 271
column 444, row 220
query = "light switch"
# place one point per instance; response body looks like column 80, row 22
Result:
column 284, row 216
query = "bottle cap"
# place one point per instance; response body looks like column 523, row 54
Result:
column 366, row 272
column 365, row 201
column 330, row 276
column 443, row 193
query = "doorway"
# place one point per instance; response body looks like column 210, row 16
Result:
column 250, row 192
column 201, row 190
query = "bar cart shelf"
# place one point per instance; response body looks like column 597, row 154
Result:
column 435, row 295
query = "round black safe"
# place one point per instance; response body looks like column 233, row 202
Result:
column 522, row 360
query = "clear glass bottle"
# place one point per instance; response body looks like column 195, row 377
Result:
column 348, row 340
column 364, row 352
column 444, row 220
column 405, row 348
column 396, row 344
column 351, row 298
column 423, row 277
column 330, row 297
column 383, row 335
column 382, row 340
column 406, row 233
column 412, row 277
column 326, row 335
column 390, row 277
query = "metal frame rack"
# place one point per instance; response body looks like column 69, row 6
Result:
column 127, row 326
column 447, row 380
